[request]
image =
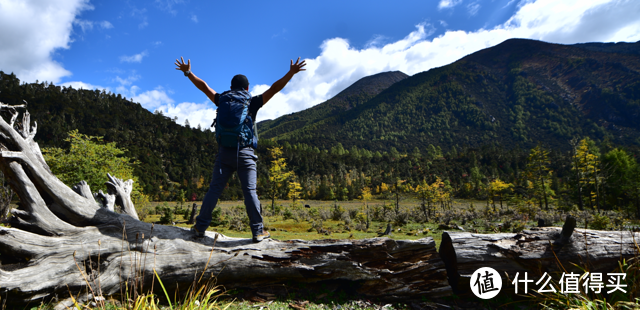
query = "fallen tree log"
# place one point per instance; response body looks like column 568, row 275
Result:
column 63, row 242
column 538, row 250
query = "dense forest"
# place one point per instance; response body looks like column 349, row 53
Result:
column 524, row 121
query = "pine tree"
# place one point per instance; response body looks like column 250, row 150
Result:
column 587, row 166
column 539, row 173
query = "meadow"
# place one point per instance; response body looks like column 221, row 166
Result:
column 312, row 219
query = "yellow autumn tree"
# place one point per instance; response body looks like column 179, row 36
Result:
column 436, row 193
column 278, row 175
column 426, row 194
column 498, row 187
column 295, row 191
column 366, row 196
column 586, row 164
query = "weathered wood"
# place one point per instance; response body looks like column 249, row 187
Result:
column 122, row 190
column 538, row 250
column 194, row 213
column 108, row 201
column 6, row 195
column 83, row 189
column 63, row 242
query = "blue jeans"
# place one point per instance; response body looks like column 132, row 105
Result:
column 229, row 160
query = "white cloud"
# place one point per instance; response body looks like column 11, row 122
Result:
column 577, row 21
column 197, row 113
column 142, row 15
column 447, row 4
column 508, row 4
column 134, row 58
column 31, row 31
column 377, row 41
column 83, row 85
column 167, row 5
column 473, row 8
column 194, row 18
column 128, row 80
column 87, row 25
column 153, row 99
column 340, row 65
column 105, row 24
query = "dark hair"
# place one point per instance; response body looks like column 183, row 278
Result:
column 239, row 82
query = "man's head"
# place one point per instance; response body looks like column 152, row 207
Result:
column 240, row 82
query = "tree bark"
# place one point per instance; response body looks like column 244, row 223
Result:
column 538, row 250
column 62, row 242
column 6, row 195
column 194, row 213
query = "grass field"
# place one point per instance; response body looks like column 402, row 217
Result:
column 302, row 222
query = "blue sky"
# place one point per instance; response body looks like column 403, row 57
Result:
column 129, row 47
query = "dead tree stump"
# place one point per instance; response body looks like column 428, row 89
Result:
column 194, row 213
column 538, row 250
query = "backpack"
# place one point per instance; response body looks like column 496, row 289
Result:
column 233, row 124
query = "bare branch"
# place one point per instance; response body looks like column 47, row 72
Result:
column 122, row 191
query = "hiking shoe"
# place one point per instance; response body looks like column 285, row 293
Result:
column 262, row 236
column 197, row 233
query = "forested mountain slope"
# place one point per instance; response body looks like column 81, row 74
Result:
column 351, row 97
column 519, row 92
column 171, row 156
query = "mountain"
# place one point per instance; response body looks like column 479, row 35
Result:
column 518, row 93
column 351, row 97
column 492, row 106
column 170, row 156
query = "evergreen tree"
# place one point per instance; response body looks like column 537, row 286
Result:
column 539, row 174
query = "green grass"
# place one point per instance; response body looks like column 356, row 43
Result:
column 288, row 229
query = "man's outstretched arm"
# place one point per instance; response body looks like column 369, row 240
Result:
column 199, row 83
column 281, row 83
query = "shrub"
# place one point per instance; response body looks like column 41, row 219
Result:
column 314, row 213
column 287, row 214
column 167, row 216
column 236, row 224
column 346, row 218
column 217, row 219
column 353, row 213
column 401, row 219
column 317, row 226
column 377, row 214
column 387, row 209
column 506, row 226
column 337, row 213
column 325, row 214
column 517, row 227
column 600, row 222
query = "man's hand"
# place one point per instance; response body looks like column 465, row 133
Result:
column 297, row 67
column 199, row 83
column 184, row 67
column 281, row 83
